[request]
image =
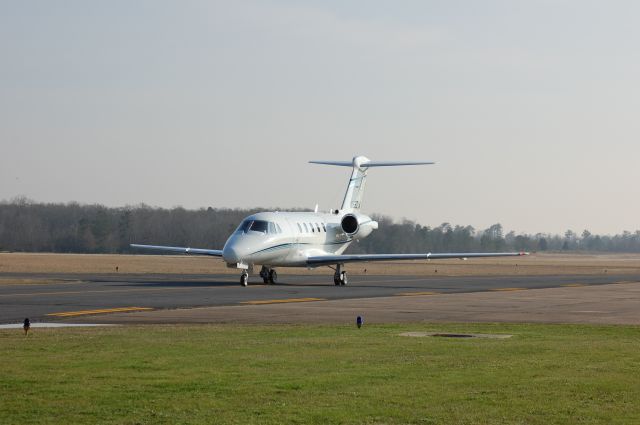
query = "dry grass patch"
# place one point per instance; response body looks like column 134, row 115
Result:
column 539, row 264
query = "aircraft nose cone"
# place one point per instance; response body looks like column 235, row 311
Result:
column 230, row 254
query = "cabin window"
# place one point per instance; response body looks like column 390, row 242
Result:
column 324, row 228
column 278, row 228
column 299, row 227
column 318, row 227
column 305, row 227
column 312, row 229
column 272, row 228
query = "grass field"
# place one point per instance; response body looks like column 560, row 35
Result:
column 321, row 374
column 538, row 264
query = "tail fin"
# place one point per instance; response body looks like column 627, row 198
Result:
column 355, row 189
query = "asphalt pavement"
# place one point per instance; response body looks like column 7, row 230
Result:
column 86, row 295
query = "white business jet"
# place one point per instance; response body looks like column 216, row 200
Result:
column 311, row 239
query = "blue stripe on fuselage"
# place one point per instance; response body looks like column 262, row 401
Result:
column 275, row 247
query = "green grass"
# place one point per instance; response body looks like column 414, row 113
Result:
column 545, row 374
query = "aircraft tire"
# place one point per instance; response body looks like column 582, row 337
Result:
column 244, row 279
column 343, row 278
column 273, row 277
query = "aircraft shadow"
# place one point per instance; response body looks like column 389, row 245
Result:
column 174, row 283
column 218, row 283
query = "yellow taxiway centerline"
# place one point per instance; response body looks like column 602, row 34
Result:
column 573, row 285
column 414, row 294
column 100, row 311
column 288, row 300
column 508, row 289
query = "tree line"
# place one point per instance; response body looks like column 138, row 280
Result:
column 74, row 228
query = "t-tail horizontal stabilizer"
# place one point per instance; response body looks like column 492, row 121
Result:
column 355, row 189
column 371, row 164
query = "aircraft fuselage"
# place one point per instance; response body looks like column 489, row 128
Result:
column 289, row 238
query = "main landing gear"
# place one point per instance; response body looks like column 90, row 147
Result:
column 340, row 277
column 244, row 278
column 268, row 275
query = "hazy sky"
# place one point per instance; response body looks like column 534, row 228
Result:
column 530, row 108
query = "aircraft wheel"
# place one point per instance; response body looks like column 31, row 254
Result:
column 343, row 278
column 264, row 273
column 273, row 277
column 336, row 279
column 244, row 279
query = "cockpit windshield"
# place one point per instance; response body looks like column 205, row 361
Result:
column 244, row 226
column 259, row 226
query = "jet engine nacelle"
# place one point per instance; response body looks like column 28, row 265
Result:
column 357, row 225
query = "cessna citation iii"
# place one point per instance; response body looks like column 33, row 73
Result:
column 311, row 239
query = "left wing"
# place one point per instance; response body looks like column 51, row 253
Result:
column 179, row 249
column 323, row 260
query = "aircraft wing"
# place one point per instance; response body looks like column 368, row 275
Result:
column 322, row 260
column 180, row 250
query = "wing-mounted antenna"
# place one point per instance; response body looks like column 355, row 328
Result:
column 355, row 189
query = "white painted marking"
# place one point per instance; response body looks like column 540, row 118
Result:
column 52, row 325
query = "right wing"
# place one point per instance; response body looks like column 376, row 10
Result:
column 322, row 260
column 179, row 249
